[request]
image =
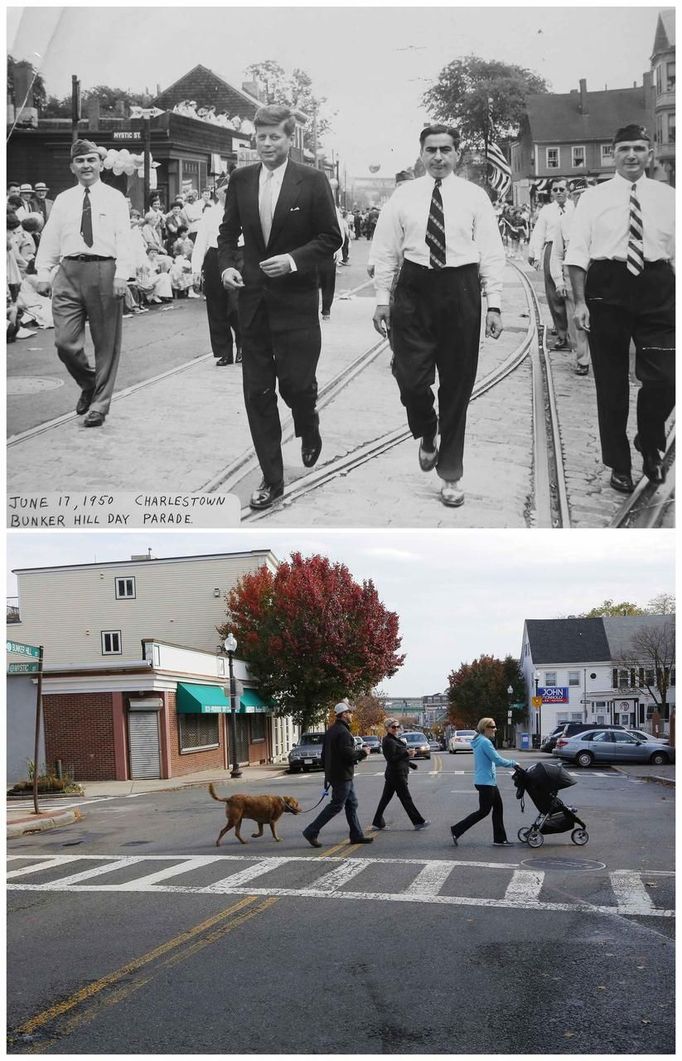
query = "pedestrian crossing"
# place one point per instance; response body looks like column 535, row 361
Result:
column 503, row 885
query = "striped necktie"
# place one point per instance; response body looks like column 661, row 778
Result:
column 86, row 218
column 265, row 207
column 435, row 229
column 635, row 262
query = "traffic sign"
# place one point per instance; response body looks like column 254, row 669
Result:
column 23, row 668
column 18, row 649
column 536, row 701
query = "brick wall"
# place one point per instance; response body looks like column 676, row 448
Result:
column 79, row 731
column 190, row 762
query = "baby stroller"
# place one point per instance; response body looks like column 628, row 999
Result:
column 542, row 781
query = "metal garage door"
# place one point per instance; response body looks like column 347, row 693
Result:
column 143, row 737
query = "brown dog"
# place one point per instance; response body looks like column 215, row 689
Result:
column 265, row 810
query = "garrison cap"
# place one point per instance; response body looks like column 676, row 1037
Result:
column 83, row 147
column 631, row 132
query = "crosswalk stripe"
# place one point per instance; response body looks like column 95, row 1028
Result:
column 144, row 883
column 431, row 879
column 236, row 880
column 630, row 892
column 348, row 869
column 97, row 871
column 525, row 886
column 49, row 863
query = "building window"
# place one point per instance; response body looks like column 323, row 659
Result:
column 111, row 642
column 550, row 678
column 606, row 154
column 125, row 588
column 258, row 727
column 552, row 157
column 670, row 76
column 574, row 677
column 578, row 157
column 660, row 138
column 671, row 127
column 198, row 732
column 659, row 79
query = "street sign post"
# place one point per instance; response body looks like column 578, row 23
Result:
column 16, row 648
column 23, row 668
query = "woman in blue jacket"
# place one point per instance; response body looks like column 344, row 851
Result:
column 486, row 759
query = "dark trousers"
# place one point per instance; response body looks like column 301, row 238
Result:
column 287, row 358
column 557, row 306
column 489, row 799
column 642, row 309
column 342, row 798
column 396, row 786
column 435, row 324
column 326, row 275
column 222, row 309
column 85, row 291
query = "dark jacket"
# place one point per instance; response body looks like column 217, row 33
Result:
column 339, row 754
column 304, row 225
column 397, row 757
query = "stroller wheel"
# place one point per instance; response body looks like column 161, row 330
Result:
column 523, row 835
column 580, row 837
column 535, row 839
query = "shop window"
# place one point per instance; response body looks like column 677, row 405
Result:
column 125, row 588
column 111, row 642
column 552, row 157
column 578, row 157
column 258, row 727
column 198, row 732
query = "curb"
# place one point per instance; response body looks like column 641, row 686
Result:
column 40, row 824
column 670, row 781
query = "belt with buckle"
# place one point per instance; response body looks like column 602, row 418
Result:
column 88, row 258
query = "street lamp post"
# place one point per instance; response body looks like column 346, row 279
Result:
column 230, row 644
column 536, row 679
column 510, row 693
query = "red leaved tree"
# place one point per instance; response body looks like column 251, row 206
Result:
column 312, row 635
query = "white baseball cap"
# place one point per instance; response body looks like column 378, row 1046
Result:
column 343, row 706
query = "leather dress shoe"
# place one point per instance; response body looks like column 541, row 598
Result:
column 652, row 465
column 582, row 370
column 311, row 447
column 451, row 494
column 363, row 840
column 94, row 418
column 561, row 344
column 238, row 356
column 622, row 481
column 224, row 361
column 84, row 402
column 428, row 453
column 312, row 840
column 266, row 495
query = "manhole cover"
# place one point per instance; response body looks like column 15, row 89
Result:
column 32, row 385
column 575, row 864
column 135, row 843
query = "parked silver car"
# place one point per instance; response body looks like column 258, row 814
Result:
column 417, row 743
column 460, row 741
column 307, row 754
column 611, row 746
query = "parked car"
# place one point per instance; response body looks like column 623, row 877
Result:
column 639, row 734
column 418, row 744
column 435, row 745
column 306, row 754
column 373, row 743
column 549, row 742
column 611, row 746
column 460, row 741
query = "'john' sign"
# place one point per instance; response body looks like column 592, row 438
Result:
column 553, row 694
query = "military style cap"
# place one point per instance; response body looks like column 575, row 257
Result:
column 83, row 147
column 631, row 132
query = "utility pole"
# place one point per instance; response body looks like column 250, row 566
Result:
column 75, row 106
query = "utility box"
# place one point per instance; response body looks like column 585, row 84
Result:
column 524, row 742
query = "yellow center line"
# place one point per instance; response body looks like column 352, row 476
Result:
column 93, row 989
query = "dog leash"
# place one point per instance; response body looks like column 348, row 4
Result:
column 325, row 793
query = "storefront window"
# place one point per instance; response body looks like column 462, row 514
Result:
column 198, row 732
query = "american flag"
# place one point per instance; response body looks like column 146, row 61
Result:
column 499, row 171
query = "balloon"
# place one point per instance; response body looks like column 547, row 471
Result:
column 129, row 168
column 124, row 153
column 107, row 163
column 117, row 168
column 375, row 168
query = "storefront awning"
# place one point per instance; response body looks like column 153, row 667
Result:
column 211, row 700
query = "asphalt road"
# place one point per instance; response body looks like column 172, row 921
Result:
column 409, row 945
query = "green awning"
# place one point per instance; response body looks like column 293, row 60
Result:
column 211, row 700
column 200, row 699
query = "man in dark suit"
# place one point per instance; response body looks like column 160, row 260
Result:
column 288, row 219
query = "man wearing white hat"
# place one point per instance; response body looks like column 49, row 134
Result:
column 88, row 237
column 339, row 756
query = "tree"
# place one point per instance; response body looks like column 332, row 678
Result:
column 369, row 713
column 38, row 85
column 108, row 98
column 479, row 689
column 610, row 608
column 311, row 635
column 650, row 658
column 294, row 91
column 486, row 99
column 662, row 604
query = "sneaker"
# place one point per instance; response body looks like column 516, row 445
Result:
column 312, row 840
column 451, row 494
column 503, row 843
column 363, row 840
column 378, row 828
column 25, row 333
column 422, row 825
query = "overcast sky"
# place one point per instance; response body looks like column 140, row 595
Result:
column 372, row 63
column 458, row 594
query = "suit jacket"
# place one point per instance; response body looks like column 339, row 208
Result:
column 304, row 225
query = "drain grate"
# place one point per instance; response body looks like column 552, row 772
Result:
column 571, row 864
column 18, row 385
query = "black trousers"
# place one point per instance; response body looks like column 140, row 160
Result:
column 436, row 324
column 326, row 275
column 222, row 309
column 641, row 309
column 489, row 799
column 396, row 786
column 288, row 358
column 557, row 306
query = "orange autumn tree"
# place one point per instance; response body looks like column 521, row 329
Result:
column 311, row 635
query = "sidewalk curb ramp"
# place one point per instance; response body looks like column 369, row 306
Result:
column 41, row 822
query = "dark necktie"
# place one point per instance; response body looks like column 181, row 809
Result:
column 635, row 262
column 86, row 218
column 435, row 229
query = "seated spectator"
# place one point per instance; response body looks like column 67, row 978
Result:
column 17, row 205
column 181, row 274
column 22, row 243
column 173, row 222
column 33, row 225
column 183, row 244
column 151, row 234
column 153, row 279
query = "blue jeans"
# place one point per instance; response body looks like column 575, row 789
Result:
column 342, row 798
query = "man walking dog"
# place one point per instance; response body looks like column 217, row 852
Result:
column 339, row 756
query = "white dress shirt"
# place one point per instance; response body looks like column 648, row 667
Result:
column 61, row 235
column 471, row 233
column 545, row 228
column 602, row 222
